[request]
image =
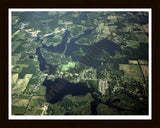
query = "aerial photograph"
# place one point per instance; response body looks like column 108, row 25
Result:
column 79, row 63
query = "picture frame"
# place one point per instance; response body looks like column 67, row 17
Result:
column 90, row 122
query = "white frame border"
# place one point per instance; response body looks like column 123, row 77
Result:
column 73, row 117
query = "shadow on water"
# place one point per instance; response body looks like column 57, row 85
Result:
column 57, row 89
column 108, row 46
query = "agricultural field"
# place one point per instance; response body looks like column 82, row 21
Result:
column 131, row 72
column 21, row 84
column 145, row 71
column 143, row 62
column 16, row 110
column 133, row 62
column 20, row 102
column 14, row 78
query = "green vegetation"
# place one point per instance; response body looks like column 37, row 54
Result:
column 103, row 109
column 68, row 66
column 36, row 106
column 71, row 105
column 118, row 55
column 13, row 85
column 130, row 104
column 14, row 78
column 16, row 110
column 41, row 91
column 18, row 68
column 133, row 44
column 15, row 58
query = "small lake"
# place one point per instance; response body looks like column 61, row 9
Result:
column 57, row 89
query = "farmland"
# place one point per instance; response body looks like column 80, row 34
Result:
column 21, row 84
column 131, row 72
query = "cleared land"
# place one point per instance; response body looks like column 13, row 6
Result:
column 20, row 102
column 28, row 76
column 131, row 72
column 103, row 29
column 145, row 70
column 15, row 33
column 145, row 27
column 21, row 84
column 14, row 78
column 133, row 62
column 144, row 62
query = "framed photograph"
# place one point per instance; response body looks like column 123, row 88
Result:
column 80, row 64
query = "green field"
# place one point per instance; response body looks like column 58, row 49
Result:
column 68, row 66
column 133, row 44
column 16, row 110
column 21, row 84
column 14, row 78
